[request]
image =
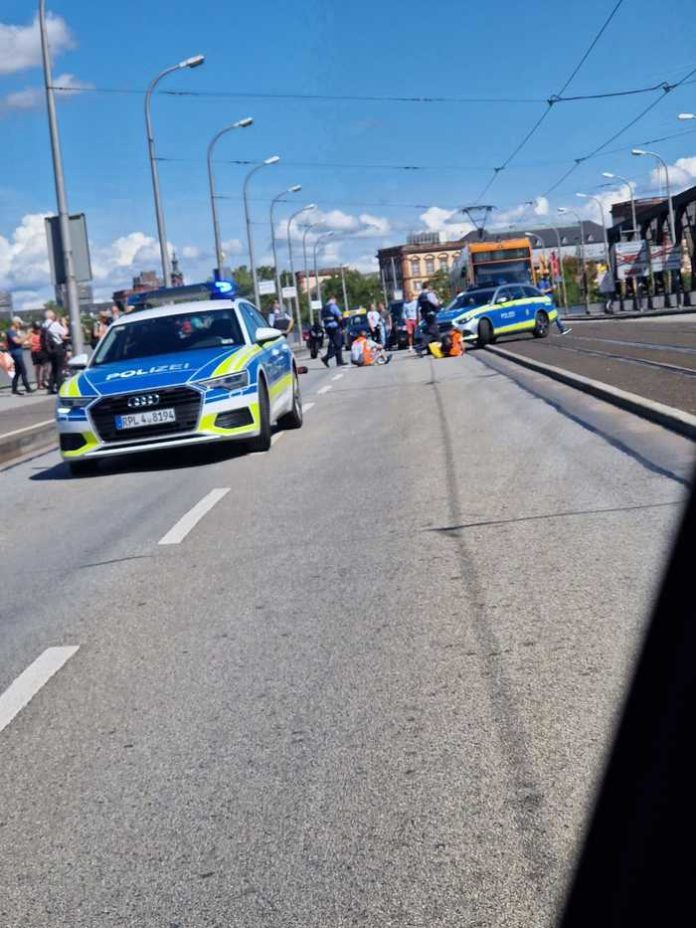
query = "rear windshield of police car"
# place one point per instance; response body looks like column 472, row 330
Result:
column 169, row 335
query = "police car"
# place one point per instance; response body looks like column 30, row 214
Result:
column 176, row 375
column 483, row 314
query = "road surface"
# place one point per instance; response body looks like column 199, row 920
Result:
column 373, row 683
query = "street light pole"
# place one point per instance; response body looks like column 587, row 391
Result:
column 628, row 183
column 298, row 314
column 670, row 206
column 193, row 62
column 71, row 290
column 563, row 209
column 274, row 159
column 279, row 287
column 240, row 124
column 587, row 196
column 345, row 292
column 320, row 239
column 312, row 225
column 564, row 289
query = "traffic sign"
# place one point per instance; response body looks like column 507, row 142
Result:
column 289, row 293
column 266, row 287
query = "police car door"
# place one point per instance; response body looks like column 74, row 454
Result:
column 533, row 301
column 503, row 309
column 276, row 357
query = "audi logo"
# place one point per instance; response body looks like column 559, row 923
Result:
column 145, row 399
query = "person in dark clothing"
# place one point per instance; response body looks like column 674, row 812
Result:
column 54, row 339
column 332, row 320
column 16, row 338
column 428, row 306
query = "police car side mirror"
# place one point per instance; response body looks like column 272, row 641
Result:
column 267, row 334
column 78, row 363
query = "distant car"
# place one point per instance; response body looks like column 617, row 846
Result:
column 182, row 374
column 355, row 323
column 398, row 337
column 485, row 313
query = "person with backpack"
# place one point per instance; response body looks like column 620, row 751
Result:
column 53, row 337
column 332, row 320
column 365, row 351
column 16, row 337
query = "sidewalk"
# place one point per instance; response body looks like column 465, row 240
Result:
column 26, row 423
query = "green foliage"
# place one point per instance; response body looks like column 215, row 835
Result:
column 440, row 283
column 362, row 289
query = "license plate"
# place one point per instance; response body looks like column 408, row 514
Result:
column 136, row 420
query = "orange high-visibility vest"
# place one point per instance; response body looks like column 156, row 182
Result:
column 457, row 344
column 366, row 352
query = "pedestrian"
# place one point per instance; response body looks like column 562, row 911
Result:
column 410, row 317
column 282, row 320
column 39, row 358
column 16, row 338
column 428, row 306
column 332, row 320
column 54, row 336
column 385, row 324
column 99, row 328
column 115, row 312
column 275, row 308
column 373, row 321
column 545, row 288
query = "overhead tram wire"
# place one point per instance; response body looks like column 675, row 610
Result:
column 550, row 103
column 666, row 89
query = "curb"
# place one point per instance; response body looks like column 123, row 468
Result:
column 631, row 314
column 669, row 417
column 33, row 437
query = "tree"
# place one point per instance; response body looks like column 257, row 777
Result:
column 362, row 289
column 440, row 283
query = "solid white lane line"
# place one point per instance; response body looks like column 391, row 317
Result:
column 307, row 406
column 337, row 377
column 324, row 389
column 177, row 534
column 30, row 681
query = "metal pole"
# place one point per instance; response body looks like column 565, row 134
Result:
column 274, row 159
column 584, row 266
column 298, row 314
column 345, row 293
column 72, row 293
column 393, row 267
column 306, row 270
column 279, row 286
column 384, row 287
column 240, row 124
column 564, row 289
column 319, row 241
column 159, row 212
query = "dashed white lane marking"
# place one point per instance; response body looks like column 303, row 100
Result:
column 30, row 681
column 337, row 377
column 276, row 437
column 177, row 534
column 324, row 389
column 307, row 406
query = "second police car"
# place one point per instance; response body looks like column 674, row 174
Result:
column 482, row 314
column 182, row 374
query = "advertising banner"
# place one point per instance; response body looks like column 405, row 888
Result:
column 631, row 259
column 665, row 258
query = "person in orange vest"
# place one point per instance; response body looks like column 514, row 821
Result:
column 451, row 345
column 365, row 351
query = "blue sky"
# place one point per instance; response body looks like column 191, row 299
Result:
column 447, row 49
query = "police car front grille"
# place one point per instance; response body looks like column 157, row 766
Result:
column 184, row 400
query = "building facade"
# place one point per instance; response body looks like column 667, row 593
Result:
column 404, row 268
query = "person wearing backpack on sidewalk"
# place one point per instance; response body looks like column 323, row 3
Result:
column 16, row 337
column 53, row 336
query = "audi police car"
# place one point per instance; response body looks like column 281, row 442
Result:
column 483, row 314
column 175, row 375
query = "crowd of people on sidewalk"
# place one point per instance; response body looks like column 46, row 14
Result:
column 48, row 343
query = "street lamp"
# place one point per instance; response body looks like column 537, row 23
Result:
column 642, row 151
column 564, row 290
column 312, row 225
column 240, row 124
column 587, row 196
column 345, row 292
column 71, row 292
column 684, row 116
column 320, row 239
column 305, row 209
column 194, row 62
column 274, row 159
column 294, row 189
column 628, row 183
column 564, row 209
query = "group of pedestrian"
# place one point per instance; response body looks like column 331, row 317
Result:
column 48, row 344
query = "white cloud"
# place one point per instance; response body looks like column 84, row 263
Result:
column 437, row 219
column 24, row 255
column 233, row 246
column 681, row 174
column 31, row 98
column 20, row 46
column 365, row 225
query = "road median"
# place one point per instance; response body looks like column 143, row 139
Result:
column 668, row 416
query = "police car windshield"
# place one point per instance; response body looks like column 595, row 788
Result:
column 144, row 338
column 472, row 299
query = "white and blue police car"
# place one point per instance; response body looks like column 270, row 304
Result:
column 484, row 313
column 175, row 375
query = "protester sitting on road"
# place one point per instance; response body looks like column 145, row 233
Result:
column 545, row 288
column 366, row 351
column 451, row 345
column 16, row 338
column 39, row 358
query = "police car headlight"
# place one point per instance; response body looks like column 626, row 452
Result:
column 66, row 403
column 229, row 382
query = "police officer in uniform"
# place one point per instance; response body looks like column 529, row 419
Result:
column 428, row 306
column 332, row 320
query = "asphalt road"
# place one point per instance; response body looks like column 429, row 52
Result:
column 372, row 686
column 653, row 357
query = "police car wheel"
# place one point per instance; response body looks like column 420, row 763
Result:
column 82, row 468
column 485, row 333
column 262, row 442
column 293, row 419
column 541, row 326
